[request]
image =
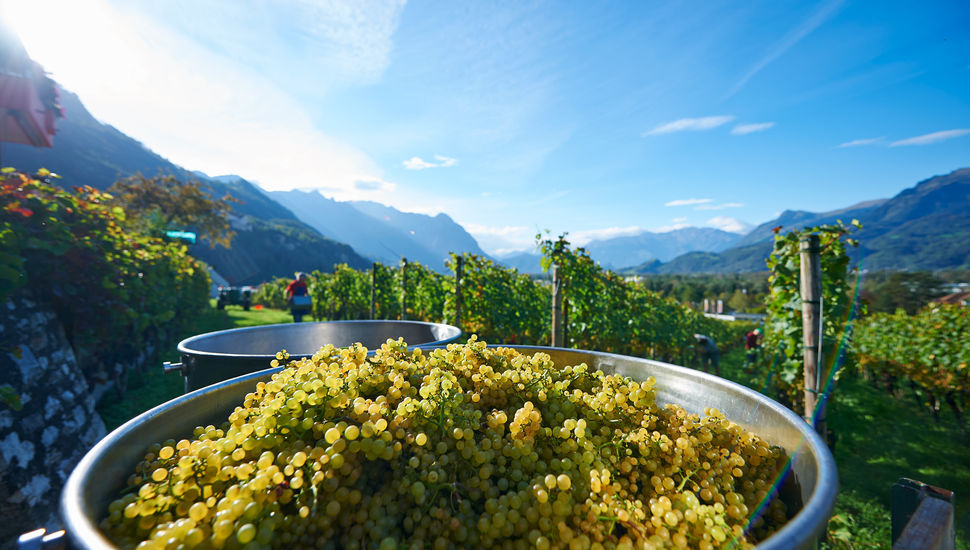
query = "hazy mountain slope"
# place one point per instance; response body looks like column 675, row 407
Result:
column 924, row 227
column 265, row 249
column 745, row 259
column 621, row 252
column 439, row 234
column 88, row 152
column 920, row 244
column 800, row 218
column 525, row 262
column 373, row 238
column 381, row 233
column 270, row 240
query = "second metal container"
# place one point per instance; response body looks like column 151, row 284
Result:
column 217, row 356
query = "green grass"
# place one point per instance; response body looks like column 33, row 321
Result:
column 149, row 388
column 879, row 439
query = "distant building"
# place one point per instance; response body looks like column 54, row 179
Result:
column 957, row 287
column 958, row 298
column 757, row 317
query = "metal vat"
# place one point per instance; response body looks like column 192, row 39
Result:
column 811, row 490
column 217, row 356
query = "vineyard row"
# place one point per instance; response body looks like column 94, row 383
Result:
column 602, row 311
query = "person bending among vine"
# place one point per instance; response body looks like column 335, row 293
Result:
column 298, row 297
column 708, row 353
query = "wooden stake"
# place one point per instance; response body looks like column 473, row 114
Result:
column 404, row 288
column 557, row 334
column 373, row 291
column 458, row 264
column 811, row 290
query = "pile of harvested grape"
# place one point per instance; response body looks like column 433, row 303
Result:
column 460, row 447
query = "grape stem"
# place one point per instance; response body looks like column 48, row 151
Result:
column 684, row 480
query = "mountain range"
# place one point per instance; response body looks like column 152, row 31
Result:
column 379, row 232
column 270, row 240
column 925, row 227
column 646, row 247
column 279, row 232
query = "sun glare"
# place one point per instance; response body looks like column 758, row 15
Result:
column 74, row 41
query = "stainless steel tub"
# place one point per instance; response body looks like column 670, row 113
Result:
column 101, row 473
column 217, row 356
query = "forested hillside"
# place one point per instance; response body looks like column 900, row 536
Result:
column 87, row 152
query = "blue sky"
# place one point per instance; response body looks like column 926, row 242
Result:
column 594, row 118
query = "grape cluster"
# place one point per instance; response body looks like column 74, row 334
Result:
column 461, row 447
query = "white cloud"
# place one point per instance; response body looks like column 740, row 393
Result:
column 504, row 231
column 794, row 36
column 731, row 225
column 585, row 237
column 745, row 129
column 687, row 202
column 679, row 223
column 861, row 142
column 203, row 110
column 417, row 163
column 445, row 162
column 500, row 240
column 935, row 137
column 682, row 219
column 690, row 124
column 719, row 206
column 313, row 46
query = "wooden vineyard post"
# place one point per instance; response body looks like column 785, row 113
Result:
column 458, row 262
column 811, row 290
column 557, row 326
column 373, row 291
column 565, row 318
column 404, row 288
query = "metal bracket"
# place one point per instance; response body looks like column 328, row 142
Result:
column 168, row 367
column 40, row 539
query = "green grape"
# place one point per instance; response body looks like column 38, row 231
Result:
column 459, row 447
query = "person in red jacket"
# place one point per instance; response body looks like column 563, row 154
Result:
column 297, row 295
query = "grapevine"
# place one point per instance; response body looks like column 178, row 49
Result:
column 930, row 350
column 783, row 324
column 605, row 311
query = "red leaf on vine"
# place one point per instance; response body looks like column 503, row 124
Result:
column 776, row 229
column 25, row 212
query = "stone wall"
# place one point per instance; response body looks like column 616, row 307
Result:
column 47, row 417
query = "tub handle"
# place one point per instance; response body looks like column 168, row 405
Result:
column 40, row 539
column 168, row 367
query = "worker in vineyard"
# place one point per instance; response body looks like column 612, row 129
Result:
column 297, row 296
column 708, row 353
column 752, row 343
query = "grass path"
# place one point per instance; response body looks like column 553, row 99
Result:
column 151, row 388
column 880, row 439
